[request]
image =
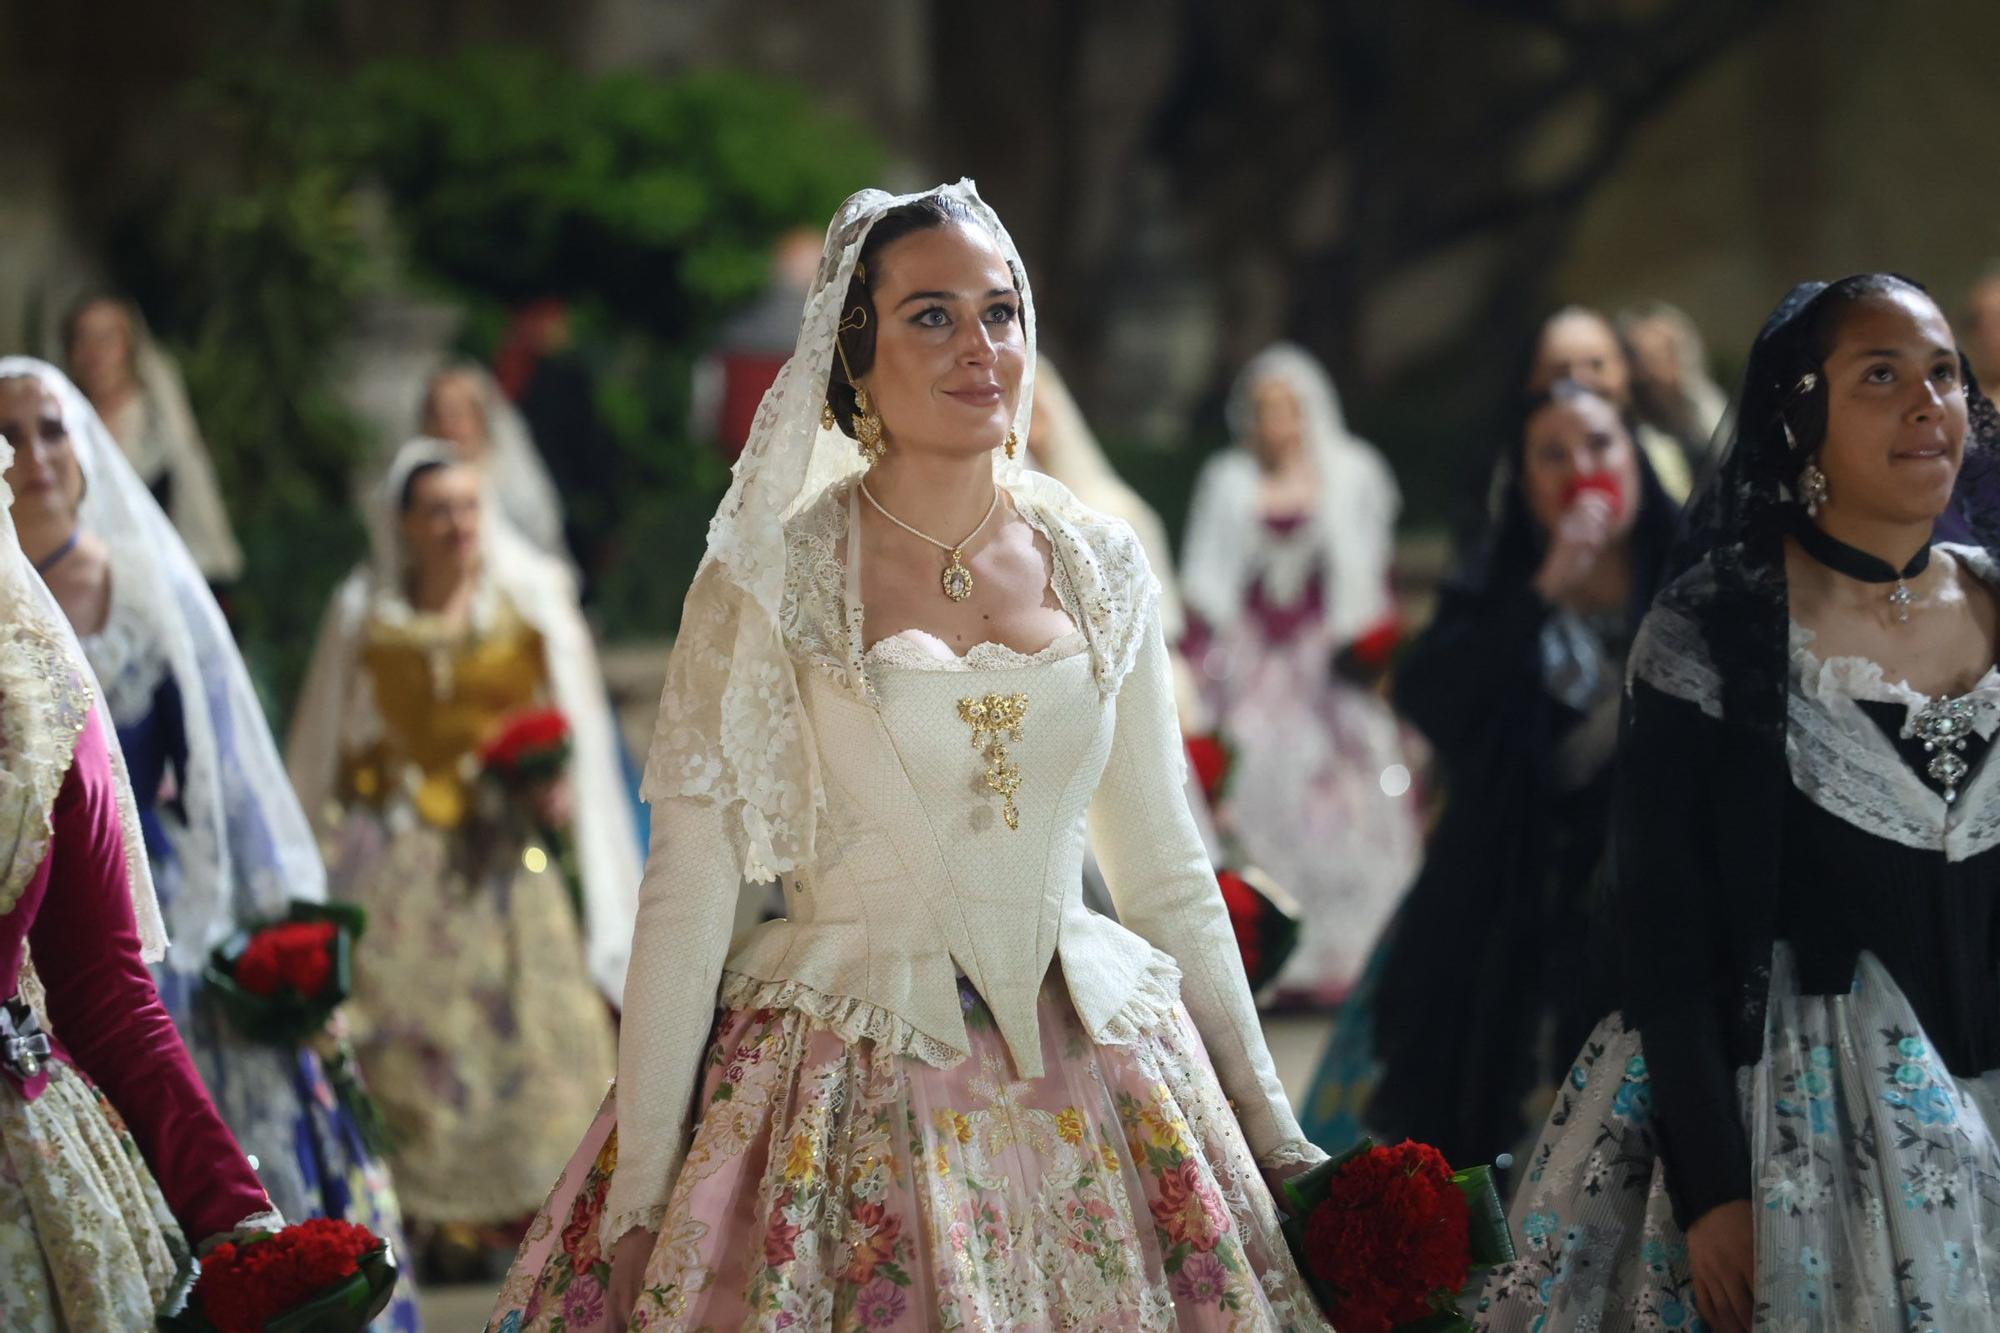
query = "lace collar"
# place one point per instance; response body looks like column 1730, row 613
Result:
column 1097, row 571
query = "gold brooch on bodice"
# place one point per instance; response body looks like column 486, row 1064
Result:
column 995, row 720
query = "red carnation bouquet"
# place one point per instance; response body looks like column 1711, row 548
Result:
column 1265, row 919
column 529, row 753
column 321, row 1276
column 281, row 983
column 1388, row 1236
column 530, row 748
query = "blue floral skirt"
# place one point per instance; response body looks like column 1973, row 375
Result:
column 1875, row 1182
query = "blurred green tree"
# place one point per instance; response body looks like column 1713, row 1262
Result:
column 649, row 204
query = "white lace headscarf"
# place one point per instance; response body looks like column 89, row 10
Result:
column 245, row 849
column 732, row 726
column 329, row 722
column 516, row 476
column 38, row 734
column 1355, row 517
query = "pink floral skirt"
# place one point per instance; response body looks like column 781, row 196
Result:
column 830, row 1185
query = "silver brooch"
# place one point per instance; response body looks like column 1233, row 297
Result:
column 1944, row 725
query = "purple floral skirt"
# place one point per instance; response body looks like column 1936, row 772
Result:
column 830, row 1185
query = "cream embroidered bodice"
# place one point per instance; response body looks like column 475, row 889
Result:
column 917, row 875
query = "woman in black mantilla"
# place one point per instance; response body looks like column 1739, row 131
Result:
column 1470, row 1009
column 1789, row 1125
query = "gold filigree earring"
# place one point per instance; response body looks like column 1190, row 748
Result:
column 1013, row 443
column 867, row 422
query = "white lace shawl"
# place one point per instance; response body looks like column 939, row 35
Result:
column 1838, row 756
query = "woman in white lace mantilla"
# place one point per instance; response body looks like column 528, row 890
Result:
column 475, row 1015
column 1286, row 572
column 137, row 390
column 940, row 1092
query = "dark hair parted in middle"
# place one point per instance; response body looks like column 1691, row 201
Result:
column 857, row 335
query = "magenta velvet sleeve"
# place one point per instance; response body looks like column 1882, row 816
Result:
column 107, row 1013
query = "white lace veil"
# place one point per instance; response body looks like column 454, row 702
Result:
column 1358, row 504
column 330, row 717
column 37, row 739
column 245, row 850
column 732, row 726
column 515, row 473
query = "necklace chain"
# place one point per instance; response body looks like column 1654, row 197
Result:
column 942, row 546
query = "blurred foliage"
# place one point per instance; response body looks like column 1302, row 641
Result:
column 649, row 204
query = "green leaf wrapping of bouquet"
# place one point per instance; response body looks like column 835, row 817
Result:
column 1489, row 1239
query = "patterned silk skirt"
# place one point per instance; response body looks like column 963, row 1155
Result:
column 86, row 1242
column 479, row 1031
column 831, row 1185
column 1875, row 1182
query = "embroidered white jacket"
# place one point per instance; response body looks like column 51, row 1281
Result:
column 916, row 878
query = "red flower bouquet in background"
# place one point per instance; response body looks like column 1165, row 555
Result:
column 281, row 982
column 530, row 747
column 1212, row 759
column 321, row 1276
column 1265, row 919
column 1375, row 647
column 295, row 955
column 1387, row 1236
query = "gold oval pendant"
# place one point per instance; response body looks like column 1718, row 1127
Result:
column 957, row 580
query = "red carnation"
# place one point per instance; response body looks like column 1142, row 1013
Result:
column 246, row 1285
column 1392, row 1238
column 1211, row 760
column 294, row 955
column 539, row 738
column 1375, row 647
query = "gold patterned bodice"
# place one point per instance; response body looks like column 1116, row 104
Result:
column 442, row 691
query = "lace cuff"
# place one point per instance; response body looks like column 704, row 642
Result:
column 1293, row 1152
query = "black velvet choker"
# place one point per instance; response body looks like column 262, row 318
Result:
column 1859, row 565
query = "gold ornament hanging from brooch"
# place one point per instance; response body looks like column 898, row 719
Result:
column 995, row 720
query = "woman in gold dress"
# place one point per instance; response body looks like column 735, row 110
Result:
column 480, row 1030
